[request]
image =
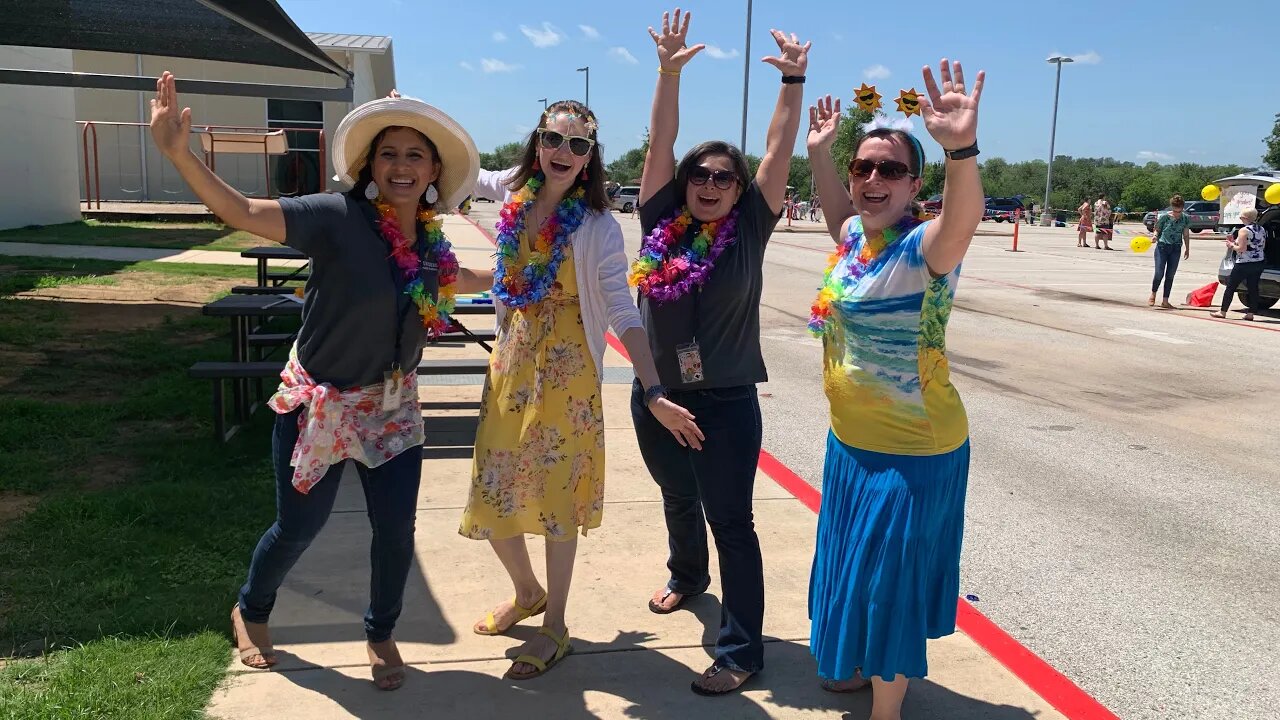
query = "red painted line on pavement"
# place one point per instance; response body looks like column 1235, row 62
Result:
column 791, row 482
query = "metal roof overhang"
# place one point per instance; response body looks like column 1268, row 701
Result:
column 255, row 32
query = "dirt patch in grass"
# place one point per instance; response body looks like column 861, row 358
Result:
column 14, row 505
column 139, row 287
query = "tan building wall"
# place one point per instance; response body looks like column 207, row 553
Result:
column 124, row 152
column 37, row 144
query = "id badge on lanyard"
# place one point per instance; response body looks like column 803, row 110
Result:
column 689, row 355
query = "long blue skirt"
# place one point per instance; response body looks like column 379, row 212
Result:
column 886, row 570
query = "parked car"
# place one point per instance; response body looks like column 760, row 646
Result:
column 1002, row 209
column 1203, row 214
column 933, row 205
column 627, row 198
column 1233, row 189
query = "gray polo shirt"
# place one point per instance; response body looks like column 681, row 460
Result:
column 725, row 313
column 355, row 296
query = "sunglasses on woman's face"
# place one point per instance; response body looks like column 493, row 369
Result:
column 888, row 169
column 578, row 145
column 722, row 179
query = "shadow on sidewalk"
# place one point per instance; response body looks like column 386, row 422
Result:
column 627, row 680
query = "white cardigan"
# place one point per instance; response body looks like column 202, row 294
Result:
column 599, row 263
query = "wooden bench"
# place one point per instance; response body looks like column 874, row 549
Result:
column 220, row 372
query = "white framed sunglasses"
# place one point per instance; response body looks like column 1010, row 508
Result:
column 552, row 140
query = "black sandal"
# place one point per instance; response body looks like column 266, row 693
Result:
column 658, row 609
column 712, row 672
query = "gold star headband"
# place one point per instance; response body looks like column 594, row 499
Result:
column 588, row 122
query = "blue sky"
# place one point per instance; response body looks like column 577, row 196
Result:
column 1166, row 81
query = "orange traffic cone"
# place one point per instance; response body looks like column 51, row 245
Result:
column 1203, row 297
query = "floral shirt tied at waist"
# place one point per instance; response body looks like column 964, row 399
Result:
column 341, row 425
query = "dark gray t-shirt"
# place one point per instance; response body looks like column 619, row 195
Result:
column 355, row 296
column 725, row 313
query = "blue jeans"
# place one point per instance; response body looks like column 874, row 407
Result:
column 1167, row 259
column 716, row 483
column 391, row 496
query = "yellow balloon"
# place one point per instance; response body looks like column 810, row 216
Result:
column 1140, row 244
column 1210, row 192
column 1272, row 195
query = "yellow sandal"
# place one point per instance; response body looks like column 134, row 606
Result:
column 491, row 622
column 562, row 650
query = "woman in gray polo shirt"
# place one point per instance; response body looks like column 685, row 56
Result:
column 382, row 281
column 699, row 276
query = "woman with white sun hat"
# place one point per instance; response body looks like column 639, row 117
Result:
column 382, row 282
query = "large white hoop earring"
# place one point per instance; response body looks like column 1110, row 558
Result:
column 371, row 191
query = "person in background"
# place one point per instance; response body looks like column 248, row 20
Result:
column 1249, row 244
column 1102, row 223
column 1086, row 223
column 1173, row 232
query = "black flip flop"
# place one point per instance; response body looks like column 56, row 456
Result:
column 699, row 690
column 659, row 610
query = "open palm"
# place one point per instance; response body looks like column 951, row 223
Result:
column 824, row 122
column 951, row 113
column 170, row 126
column 672, row 50
column 792, row 57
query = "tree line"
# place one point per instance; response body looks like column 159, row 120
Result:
column 1136, row 188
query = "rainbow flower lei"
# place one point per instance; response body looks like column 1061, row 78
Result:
column 434, row 313
column 836, row 285
column 663, row 273
column 530, row 284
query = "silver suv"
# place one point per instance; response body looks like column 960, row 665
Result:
column 627, row 198
column 1202, row 214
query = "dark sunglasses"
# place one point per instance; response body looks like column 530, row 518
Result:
column 888, row 169
column 722, row 179
column 578, row 145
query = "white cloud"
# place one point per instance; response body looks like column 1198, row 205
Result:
column 499, row 36
column 622, row 55
column 590, row 32
column 719, row 54
column 544, row 37
column 1153, row 156
column 490, row 65
column 876, row 72
column 466, row 65
column 1089, row 58
column 837, row 36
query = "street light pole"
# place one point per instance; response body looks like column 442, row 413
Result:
column 746, row 80
column 1053, row 132
column 544, row 103
column 587, row 70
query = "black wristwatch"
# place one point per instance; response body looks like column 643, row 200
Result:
column 962, row 153
column 654, row 391
column 792, row 79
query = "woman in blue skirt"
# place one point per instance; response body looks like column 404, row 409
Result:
column 887, row 565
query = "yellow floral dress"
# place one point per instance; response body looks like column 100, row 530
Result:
column 539, row 456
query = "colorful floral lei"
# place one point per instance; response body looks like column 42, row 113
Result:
column 530, row 284
column 434, row 313
column 663, row 273
column 835, row 286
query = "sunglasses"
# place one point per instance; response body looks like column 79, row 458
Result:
column 722, row 179
column 578, row 145
column 888, row 169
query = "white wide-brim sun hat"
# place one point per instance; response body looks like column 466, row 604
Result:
column 458, row 156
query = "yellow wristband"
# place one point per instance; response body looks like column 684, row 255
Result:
column 672, row 73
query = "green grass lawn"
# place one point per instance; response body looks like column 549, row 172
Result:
column 19, row 273
column 115, row 587
column 164, row 235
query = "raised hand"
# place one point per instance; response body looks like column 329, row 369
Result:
column 792, row 57
column 672, row 50
column 170, row 127
column 824, row 122
column 951, row 116
column 679, row 421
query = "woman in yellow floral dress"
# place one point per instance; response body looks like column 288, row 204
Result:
column 561, row 281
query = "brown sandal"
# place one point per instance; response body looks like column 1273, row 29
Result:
column 265, row 653
column 383, row 672
column 659, row 609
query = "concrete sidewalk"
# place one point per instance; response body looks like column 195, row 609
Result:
column 627, row 662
